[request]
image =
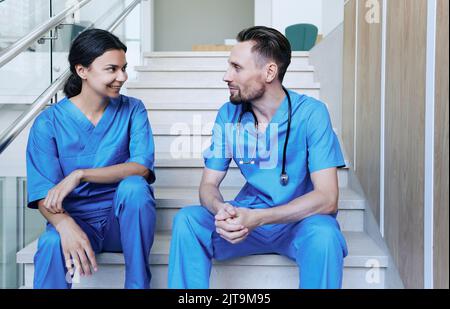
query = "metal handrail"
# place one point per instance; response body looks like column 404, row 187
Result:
column 8, row 135
column 15, row 49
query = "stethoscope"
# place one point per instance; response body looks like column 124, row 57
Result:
column 246, row 107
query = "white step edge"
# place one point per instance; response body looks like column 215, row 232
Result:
column 164, row 160
column 361, row 248
column 206, row 54
column 179, row 197
column 150, row 85
column 149, row 68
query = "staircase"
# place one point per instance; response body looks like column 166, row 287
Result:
column 187, row 87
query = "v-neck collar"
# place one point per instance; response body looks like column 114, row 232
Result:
column 278, row 118
column 81, row 118
column 280, row 112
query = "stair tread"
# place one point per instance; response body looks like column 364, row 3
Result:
column 183, row 106
column 167, row 160
column 206, row 54
column 189, row 196
column 151, row 68
column 151, row 85
column 361, row 248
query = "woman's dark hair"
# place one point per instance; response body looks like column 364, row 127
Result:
column 270, row 45
column 87, row 46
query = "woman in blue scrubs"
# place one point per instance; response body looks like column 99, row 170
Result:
column 90, row 163
column 289, row 203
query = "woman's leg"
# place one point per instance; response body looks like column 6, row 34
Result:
column 134, row 209
column 50, row 271
column 49, row 265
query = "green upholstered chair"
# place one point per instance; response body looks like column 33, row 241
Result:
column 302, row 36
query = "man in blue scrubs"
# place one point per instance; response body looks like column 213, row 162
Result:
column 291, row 212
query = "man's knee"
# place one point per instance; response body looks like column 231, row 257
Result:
column 321, row 234
column 187, row 216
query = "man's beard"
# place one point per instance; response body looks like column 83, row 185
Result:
column 239, row 99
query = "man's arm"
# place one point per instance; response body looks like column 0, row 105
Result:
column 210, row 196
column 212, row 199
column 322, row 200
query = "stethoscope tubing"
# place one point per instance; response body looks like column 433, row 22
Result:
column 246, row 107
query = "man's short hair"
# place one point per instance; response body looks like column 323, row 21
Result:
column 270, row 44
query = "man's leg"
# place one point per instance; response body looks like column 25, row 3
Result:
column 195, row 243
column 134, row 208
column 318, row 246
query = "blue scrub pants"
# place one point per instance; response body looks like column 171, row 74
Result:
column 128, row 228
column 315, row 243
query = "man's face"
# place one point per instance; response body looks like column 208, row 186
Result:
column 245, row 76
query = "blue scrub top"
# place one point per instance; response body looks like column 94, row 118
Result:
column 313, row 146
column 62, row 139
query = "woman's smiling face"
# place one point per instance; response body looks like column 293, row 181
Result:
column 107, row 73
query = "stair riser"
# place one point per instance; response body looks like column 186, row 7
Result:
column 188, row 177
column 182, row 146
column 202, row 95
column 214, row 79
column 349, row 220
column 227, row 277
column 213, row 63
column 182, row 116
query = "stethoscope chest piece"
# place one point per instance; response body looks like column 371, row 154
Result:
column 284, row 179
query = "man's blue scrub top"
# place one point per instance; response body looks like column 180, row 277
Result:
column 313, row 146
column 62, row 140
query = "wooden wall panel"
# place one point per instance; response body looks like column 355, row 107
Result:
column 405, row 127
column 441, row 184
column 348, row 95
column 368, row 111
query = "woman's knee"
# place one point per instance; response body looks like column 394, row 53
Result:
column 50, row 240
column 136, row 188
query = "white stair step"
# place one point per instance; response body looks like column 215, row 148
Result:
column 175, row 93
column 296, row 85
column 182, row 116
column 182, row 146
column 206, row 60
column 212, row 78
column 169, row 200
column 258, row 271
column 186, row 172
column 208, row 106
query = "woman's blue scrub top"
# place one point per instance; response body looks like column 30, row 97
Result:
column 62, row 140
column 313, row 146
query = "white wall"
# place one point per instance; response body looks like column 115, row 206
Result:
column 325, row 14
column 332, row 15
column 288, row 12
column 180, row 24
column 326, row 58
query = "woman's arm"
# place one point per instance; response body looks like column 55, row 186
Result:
column 75, row 244
column 112, row 174
column 104, row 175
